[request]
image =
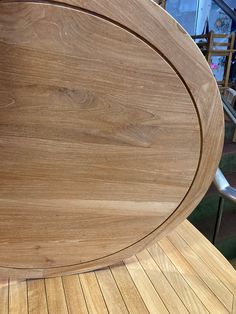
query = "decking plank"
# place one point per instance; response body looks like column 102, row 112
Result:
column 37, row 300
column 92, row 293
column 55, row 296
column 177, row 281
column 203, row 271
column 208, row 253
column 161, row 284
column 129, row 291
column 149, row 294
column 197, row 284
column 18, row 297
column 74, row 295
column 111, row 293
column 183, row 271
column 4, row 296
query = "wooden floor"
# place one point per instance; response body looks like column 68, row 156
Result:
column 183, row 273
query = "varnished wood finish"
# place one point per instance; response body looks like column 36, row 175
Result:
column 108, row 137
column 183, row 273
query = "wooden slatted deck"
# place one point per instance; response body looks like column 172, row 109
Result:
column 183, row 273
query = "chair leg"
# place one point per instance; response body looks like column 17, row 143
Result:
column 218, row 219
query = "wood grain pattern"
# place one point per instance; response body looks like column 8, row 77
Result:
column 92, row 293
column 3, row 296
column 37, row 301
column 18, row 297
column 128, row 289
column 106, row 139
column 112, row 296
column 148, row 292
column 209, row 255
column 74, row 297
column 159, row 281
column 208, row 276
column 206, row 295
column 115, row 290
column 177, row 281
column 56, row 298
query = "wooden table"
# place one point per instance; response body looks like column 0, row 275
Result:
column 181, row 273
column 111, row 132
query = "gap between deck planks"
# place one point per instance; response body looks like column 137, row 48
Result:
column 182, row 273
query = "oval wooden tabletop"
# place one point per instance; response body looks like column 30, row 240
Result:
column 111, row 130
column 183, row 273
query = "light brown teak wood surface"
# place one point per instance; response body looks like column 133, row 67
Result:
column 111, row 130
column 182, row 273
